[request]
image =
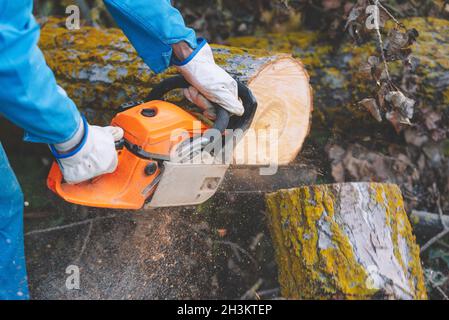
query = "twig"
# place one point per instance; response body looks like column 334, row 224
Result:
column 392, row 282
column 443, row 244
column 70, row 225
column 381, row 45
column 256, row 240
column 269, row 292
column 86, row 240
column 236, row 246
column 445, row 297
column 442, row 233
column 389, row 14
column 236, row 253
column 434, row 239
column 252, row 292
column 440, row 213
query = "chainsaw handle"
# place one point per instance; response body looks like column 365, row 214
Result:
column 223, row 119
column 179, row 82
column 167, row 85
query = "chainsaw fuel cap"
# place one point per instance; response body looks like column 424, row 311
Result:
column 149, row 112
column 150, row 168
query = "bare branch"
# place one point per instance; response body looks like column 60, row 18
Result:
column 70, row 225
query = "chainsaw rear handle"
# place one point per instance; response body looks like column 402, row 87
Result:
column 223, row 119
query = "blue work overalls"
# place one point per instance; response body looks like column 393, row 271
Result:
column 31, row 99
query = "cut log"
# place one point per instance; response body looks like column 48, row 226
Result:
column 100, row 70
column 345, row 241
column 284, row 106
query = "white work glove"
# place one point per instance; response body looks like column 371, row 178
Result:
column 213, row 83
column 90, row 153
column 194, row 96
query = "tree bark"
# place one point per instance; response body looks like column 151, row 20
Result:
column 100, row 70
column 345, row 241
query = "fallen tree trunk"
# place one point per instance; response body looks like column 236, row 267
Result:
column 428, row 223
column 344, row 241
column 100, row 70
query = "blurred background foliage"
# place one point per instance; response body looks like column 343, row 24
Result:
column 219, row 19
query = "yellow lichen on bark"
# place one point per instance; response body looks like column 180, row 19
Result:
column 316, row 253
column 304, row 267
column 390, row 197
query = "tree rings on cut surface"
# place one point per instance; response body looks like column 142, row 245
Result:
column 284, row 98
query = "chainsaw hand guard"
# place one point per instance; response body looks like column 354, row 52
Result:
column 224, row 120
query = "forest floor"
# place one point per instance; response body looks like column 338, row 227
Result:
column 221, row 249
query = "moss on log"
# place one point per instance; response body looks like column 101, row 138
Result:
column 344, row 241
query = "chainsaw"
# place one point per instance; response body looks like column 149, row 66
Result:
column 146, row 174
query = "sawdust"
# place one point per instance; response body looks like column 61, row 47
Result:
column 144, row 255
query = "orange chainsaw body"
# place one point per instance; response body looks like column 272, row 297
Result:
column 149, row 128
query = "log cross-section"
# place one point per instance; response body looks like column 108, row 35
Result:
column 345, row 241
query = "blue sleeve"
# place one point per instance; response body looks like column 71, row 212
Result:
column 29, row 95
column 152, row 26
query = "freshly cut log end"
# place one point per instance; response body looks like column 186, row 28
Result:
column 345, row 241
column 283, row 116
column 100, row 70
